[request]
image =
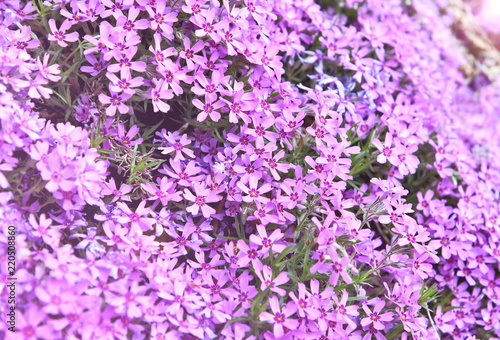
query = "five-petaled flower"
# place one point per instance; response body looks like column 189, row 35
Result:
column 60, row 34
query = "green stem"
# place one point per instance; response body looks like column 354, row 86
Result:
column 72, row 53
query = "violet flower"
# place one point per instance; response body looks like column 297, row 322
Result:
column 60, row 35
column 280, row 317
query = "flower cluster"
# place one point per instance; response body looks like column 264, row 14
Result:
column 247, row 169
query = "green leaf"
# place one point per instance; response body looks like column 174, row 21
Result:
column 356, row 298
column 271, row 257
column 428, row 295
column 36, row 8
column 99, row 141
column 66, row 73
column 149, row 132
column 284, row 253
column 446, row 299
column 61, row 97
column 142, row 162
column 351, row 133
column 395, row 332
column 226, row 237
column 100, row 150
column 134, row 155
column 445, row 309
column 139, row 179
column 108, row 158
column 149, row 165
column 256, row 304
column 238, row 319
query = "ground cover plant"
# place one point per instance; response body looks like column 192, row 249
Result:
column 247, row 170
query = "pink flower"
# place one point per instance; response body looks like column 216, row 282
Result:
column 126, row 140
column 34, row 86
column 201, row 200
column 48, row 71
column 254, row 191
column 162, row 20
column 344, row 312
column 116, row 102
column 165, row 193
column 129, row 23
column 207, row 267
column 420, row 268
column 118, row 194
column 375, row 317
column 304, row 303
column 247, row 254
column 54, row 295
column 97, row 65
column 280, row 317
column 29, row 325
column 126, row 83
column 338, row 267
column 189, row 53
column 60, row 35
column 205, row 21
column 208, row 109
column 387, row 153
column 266, row 241
column 160, row 91
column 185, row 175
column 176, row 142
column 265, row 274
column 137, row 219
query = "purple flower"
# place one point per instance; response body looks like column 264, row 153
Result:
column 126, row 140
column 161, row 56
column 59, row 177
column 305, row 307
column 124, row 58
column 420, row 268
column 184, row 175
column 34, row 86
column 116, row 102
column 207, row 268
column 208, row 109
column 184, row 240
column 30, row 325
column 173, row 75
column 205, row 20
column 165, row 193
column 344, row 312
column 126, row 83
column 265, row 274
column 162, row 19
column 160, row 91
column 266, row 241
column 387, row 153
column 129, row 23
column 179, row 296
column 97, row 66
column 280, row 317
column 46, row 70
column 376, row 318
column 176, row 142
column 247, row 254
column 189, row 53
column 138, row 221
column 60, row 35
column 201, row 200
column 254, row 191
column 424, row 202
column 338, row 267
